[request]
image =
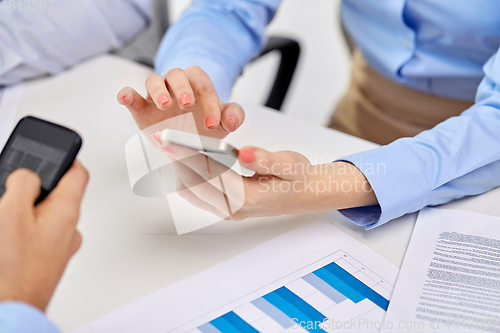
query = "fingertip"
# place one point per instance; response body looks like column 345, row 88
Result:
column 72, row 185
column 132, row 100
column 77, row 164
column 77, row 171
column 126, row 99
column 186, row 101
column 230, row 123
column 210, row 122
column 233, row 116
column 168, row 149
column 77, row 241
column 234, row 122
column 24, row 176
column 163, row 99
column 83, row 171
column 247, row 155
column 24, row 185
column 120, row 97
column 163, row 102
column 157, row 138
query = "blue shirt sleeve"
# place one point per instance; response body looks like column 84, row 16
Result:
column 219, row 36
column 17, row 317
column 457, row 158
column 65, row 34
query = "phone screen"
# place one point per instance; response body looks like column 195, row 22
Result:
column 39, row 146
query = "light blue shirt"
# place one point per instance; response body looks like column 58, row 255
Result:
column 443, row 48
column 17, row 317
column 36, row 42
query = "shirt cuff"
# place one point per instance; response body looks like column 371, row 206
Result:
column 222, row 82
column 397, row 178
column 18, row 317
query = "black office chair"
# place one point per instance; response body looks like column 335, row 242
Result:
column 143, row 50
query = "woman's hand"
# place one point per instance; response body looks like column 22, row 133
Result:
column 284, row 183
column 179, row 92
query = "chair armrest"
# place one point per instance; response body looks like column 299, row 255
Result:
column 290, row 52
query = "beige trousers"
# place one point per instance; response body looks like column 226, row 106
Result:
column 380, row 110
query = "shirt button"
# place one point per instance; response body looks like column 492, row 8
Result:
column 406, row 43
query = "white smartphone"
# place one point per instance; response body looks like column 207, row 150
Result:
column 203, row 144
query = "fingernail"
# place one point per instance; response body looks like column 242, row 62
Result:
column 163, row 100
column 235, row 122
column 247, row 156
column 157, row 138
column 185, row 99
column 210, row 121
column 167, row 149
column 122, row 99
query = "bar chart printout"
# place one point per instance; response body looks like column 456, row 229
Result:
column 331, row 292
column 292, row 283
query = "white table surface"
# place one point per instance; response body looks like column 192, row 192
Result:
column 130, row 247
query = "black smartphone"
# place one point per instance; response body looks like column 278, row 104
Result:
column 41, row 146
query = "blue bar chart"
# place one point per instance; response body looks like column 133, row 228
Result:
column 315, row 278
column 340, row 289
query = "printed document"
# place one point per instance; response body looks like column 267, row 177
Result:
column 450, row 278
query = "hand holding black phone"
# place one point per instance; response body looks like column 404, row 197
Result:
column 43, row 147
